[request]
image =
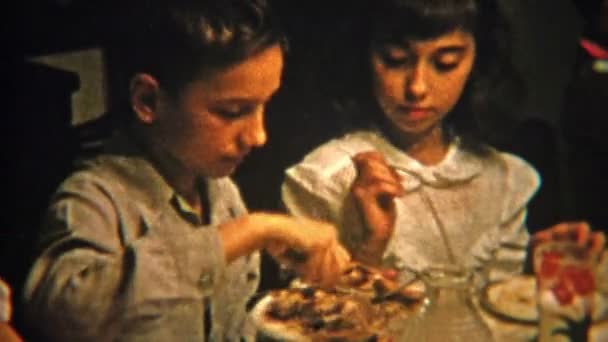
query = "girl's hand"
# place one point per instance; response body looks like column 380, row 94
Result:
column 374, row 190
column 579, row 232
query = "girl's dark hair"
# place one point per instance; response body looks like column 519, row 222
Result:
column 178, row 41
column 482, row 115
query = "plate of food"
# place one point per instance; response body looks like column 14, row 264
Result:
column 362, row 307
column 513, row 299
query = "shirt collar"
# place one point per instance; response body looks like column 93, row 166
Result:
column 186, row 210
column 457, row 166
column 154, row 192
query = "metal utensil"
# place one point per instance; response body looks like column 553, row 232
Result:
column 396, row 291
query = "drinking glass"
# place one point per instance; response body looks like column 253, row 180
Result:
column 449, row 314
column 565, row 280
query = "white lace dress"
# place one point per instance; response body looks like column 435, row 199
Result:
column 480, row 202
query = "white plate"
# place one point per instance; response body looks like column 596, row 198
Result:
column 273, row 329
column 513, row 299
column 285, row 331
column 280, row 330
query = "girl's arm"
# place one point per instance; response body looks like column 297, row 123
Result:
column 510, row 256
column 520, row 184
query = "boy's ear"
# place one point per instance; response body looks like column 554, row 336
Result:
column 145, row 97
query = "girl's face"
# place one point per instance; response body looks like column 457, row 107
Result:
column 417, row 83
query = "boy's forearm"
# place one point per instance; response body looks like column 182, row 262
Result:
column 246, row 235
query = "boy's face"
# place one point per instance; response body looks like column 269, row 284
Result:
column 417, row 83
column 216, row 121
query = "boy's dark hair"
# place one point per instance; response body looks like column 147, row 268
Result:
column 492, row 91
column 177, row 41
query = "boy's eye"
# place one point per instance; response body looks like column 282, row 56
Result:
column 233, row 112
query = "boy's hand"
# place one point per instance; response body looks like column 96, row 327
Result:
column 311, row 248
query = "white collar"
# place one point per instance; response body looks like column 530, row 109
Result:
column 457, row 166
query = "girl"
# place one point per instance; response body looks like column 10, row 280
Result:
column 414, row 184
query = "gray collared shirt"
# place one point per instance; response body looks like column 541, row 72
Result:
column 122, row 260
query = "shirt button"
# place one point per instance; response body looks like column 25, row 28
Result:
column 251, row 276
column 205, row 281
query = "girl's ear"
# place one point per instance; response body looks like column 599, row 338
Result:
column 145, row 97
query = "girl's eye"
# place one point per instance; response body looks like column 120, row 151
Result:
column 448, row 61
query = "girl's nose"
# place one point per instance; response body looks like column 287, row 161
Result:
column 417, row 84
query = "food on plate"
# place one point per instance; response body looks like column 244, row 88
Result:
column 315, row 313
column 372, row 283
column 360, row 308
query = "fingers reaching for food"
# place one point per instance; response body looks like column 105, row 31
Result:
column 323, row 267
column 309, row 247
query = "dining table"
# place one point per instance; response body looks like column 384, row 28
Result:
column 509, row 308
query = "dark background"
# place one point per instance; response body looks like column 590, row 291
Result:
column 39, row 142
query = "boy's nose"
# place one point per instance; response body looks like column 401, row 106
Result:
column 254, row 134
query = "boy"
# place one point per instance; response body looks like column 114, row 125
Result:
column 142, row 239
